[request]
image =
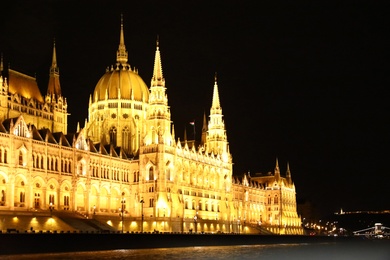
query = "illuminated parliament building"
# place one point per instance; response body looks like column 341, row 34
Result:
column 125, row 166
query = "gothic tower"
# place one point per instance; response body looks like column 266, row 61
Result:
column 216, row 140
column 55, row 99
column 157, row 155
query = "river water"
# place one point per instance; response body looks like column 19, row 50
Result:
column 371, row 250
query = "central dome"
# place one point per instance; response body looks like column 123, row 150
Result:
column 121, row 83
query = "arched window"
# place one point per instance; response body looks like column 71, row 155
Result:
column 20, row 158
column 2, row 200
column 34, row 162
column 113, row 136
column 126, row 139
column 276, row 199
column 5, row 155
column 51, row 199
column 22, row 197
column 168, row 171
column 151, row 202
column 151, row 174
column 66, row 202
column 52, row 167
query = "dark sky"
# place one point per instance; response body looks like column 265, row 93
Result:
column 304, row 82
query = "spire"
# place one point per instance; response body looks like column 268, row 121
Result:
column 1, row 65
column 216, row 104
column 121, row 54
column 216, row 133
column 54, row 58
column 157, row 79
column 288, row 174
column 173, row 132
column 277, row 170
column 54, row 87
column 204, row 129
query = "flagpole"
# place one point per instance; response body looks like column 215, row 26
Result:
column 193, row 126
column 194, row 129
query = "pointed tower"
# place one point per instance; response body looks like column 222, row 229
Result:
column 54, row 97
column 288, row 175
column 158, row 119
column 277, row 171
column 204, row 130
column 157, row 153
column 54, row 87
column 185, row 135
column 3, row 92
column 121, row 54
column 1, row 65
column 216, row 141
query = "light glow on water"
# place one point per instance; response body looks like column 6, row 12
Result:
column 370, row 250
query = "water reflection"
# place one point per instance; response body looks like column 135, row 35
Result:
column 380, row 250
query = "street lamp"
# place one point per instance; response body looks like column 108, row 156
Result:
column 123, row 202
column 164, row 220
column 142, row 215
column 195, row 222
column 51, row 209
column 239, row 226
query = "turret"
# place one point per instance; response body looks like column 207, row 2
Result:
column 277, row 171
column 54, row 87
column 216, row 141
column 54, row 97
column 288, row 174
column 158, row 119
column 121, row 54
column 204, row 130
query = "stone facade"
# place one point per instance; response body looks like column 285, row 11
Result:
column 126, row 160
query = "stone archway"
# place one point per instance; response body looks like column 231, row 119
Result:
column 80, row 198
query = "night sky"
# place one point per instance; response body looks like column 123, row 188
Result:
column 304, row 82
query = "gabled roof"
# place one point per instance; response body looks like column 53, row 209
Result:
column 47, row 136
column 70, row 138
column 2, row 129
column 113, row 152
column 8, row 122
column 92, row 146
column 61, row 139
column 36, row 135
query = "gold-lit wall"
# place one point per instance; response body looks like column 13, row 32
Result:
column 126, row 163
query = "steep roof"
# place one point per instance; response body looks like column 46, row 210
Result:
column 24, row 85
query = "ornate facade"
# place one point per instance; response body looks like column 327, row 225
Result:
column 126, row 161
